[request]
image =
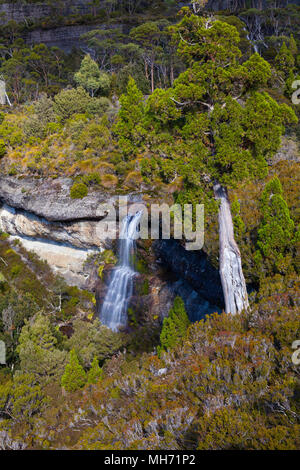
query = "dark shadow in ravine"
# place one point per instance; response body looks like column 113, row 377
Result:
column 192, row 277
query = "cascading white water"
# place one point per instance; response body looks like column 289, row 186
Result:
column 114, row 309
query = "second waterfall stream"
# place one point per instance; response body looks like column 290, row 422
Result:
column 114, row 309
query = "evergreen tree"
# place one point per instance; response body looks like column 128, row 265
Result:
column 174, row 326
column 95, row 372
column 293, row 46
column 38, row 350
column 93, row 339
column 276, row 234
column 74, row 376
column 285, row 60
column 129, row 126
column 214, row 132
column 91, row 78
column 148, row 36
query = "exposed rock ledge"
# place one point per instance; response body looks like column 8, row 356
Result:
column 51, row 199
column 65, row 246
column 60, row 230
column 79, row 234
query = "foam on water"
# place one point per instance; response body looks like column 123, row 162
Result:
column 114, row 309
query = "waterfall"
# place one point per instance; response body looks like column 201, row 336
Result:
column 114, row 309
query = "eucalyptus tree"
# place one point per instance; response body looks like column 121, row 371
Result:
column 148, row 35
column 109, row 43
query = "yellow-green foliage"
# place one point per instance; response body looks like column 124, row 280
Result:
column 83, row 147
column 174, row 326
column 74, row 376
column 95, row 373
column 109, row 181
column 38, row 350
column 78, row 191
column 21, row 398
column 2, row 148
column 133, row 180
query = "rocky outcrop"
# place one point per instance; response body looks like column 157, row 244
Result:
column 79, row 234
column 60, row 230
column 289, row 150
column 65, row 246
column 51, row 199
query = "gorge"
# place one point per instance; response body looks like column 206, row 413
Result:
column 63, row 232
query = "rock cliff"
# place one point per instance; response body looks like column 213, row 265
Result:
column 51, row 199
column 61, row 230
column 65, row 232
column 20, row 12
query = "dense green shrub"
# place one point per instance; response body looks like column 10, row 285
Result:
column 38, row 350
column 91, row 78
column 276, row 234
column 137, row 73
column 78, row 191
column 95, row 373
column 74, row 376
column 71, row 101
column 98, row 106
column 174, row 327
column 2, row 148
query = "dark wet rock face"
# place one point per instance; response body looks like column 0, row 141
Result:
column 196, row 305
column 196, row 280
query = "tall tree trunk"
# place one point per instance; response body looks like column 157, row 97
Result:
column 2, row 92
column 172, row 74
column 231, row 272
column 152, row 77
column 146, row 69
column 3, row 95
